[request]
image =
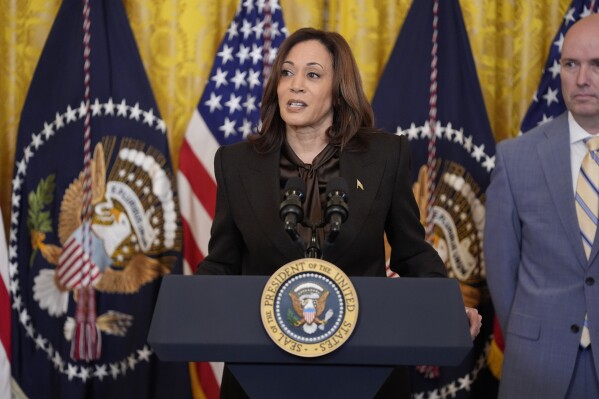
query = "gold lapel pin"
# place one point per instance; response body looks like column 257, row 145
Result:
column 359, row 185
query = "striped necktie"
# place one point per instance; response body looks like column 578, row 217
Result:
column 587, row 195
column 587, row 208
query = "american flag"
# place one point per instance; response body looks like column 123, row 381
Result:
column 4, row 319
column 228, row 112
column 547, row 102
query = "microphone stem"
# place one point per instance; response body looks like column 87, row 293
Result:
column 313, row 250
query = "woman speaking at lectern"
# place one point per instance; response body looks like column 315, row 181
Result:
column 318, row 126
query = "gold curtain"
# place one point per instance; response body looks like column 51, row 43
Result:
column 177, row 40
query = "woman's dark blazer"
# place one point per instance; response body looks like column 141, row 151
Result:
column 247, row 235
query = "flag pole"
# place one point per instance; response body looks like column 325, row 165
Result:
column 86, row 344
column 432, row 121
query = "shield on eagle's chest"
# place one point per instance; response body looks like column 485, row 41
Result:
column 309, row 315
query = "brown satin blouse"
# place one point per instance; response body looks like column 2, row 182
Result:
column 316, row 175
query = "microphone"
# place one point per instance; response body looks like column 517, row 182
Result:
column 336, row 211
column 291, row 211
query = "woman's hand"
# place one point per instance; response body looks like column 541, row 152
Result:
column 475, row 321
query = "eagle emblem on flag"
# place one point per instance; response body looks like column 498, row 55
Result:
column 134, row 219
column 94, row 222
column 458, row 219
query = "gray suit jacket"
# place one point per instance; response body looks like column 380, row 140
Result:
column 540, row 281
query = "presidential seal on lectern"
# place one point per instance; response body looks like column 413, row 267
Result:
column 309, row 307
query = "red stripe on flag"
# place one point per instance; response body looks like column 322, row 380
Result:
column 5, row 311
column 191, row 252
column 5, row 318
column 200, row 181
column 71, row 249
column 74, row 267
column 67, row 267
column 207, row 380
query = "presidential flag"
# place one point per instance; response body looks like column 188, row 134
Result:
column 228, row 111
column 548, row 102
column 430, row 93
column 4, row 319
column 94, row 223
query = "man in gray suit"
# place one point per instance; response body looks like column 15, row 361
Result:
column 544, row 280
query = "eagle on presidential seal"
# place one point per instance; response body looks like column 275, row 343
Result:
column 309, row 301
column 133, row 224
